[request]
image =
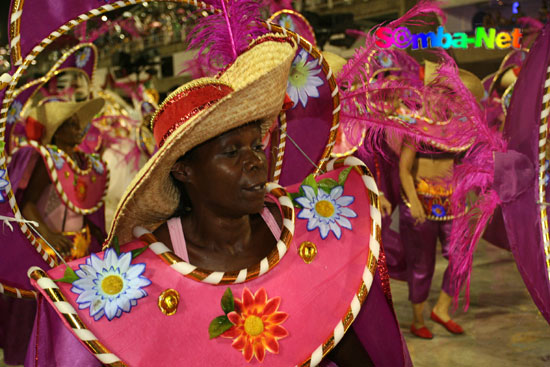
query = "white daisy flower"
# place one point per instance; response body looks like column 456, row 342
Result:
column 109, row 286
column 385, row 60
column 97, row 165
column 286, row 21
column 328, row 212
column 3, row 182
column 303, row 80
column 13, row 112
column 3, row 185
column 83, row 56
column 57, row 158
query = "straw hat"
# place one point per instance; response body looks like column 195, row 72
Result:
column 470, row 80
column 251, row 88
column 52, row 113
column 439, row 134
column 335, row 61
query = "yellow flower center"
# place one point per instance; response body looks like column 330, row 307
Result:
column 324, row 208
column 112, row 284
column 298, row 75
column 253, row 325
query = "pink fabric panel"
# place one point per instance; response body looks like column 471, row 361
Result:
column 316, row 296
column 52, row 211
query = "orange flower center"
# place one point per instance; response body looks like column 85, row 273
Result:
column 253, row 325
column 324, row 208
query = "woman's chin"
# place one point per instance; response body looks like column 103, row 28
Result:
column 254, row 206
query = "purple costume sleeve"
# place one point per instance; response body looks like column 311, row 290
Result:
column 18, row 255
column 14, row 244
column 386, row 172
column 52, row 344
column 377, row 328
column 516, row 173
column 513, row 175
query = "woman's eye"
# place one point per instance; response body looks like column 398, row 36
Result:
column 259, row 147
column 230, row 153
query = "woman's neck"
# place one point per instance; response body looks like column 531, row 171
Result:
column 205, row 229
column 67, row 148
column 71, row 152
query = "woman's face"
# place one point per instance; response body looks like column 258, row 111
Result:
column 69, row 133
column 228, row 173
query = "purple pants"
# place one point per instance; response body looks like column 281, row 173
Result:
column 420, row 243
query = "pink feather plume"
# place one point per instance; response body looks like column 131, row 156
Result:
column 369, row 99
column 224, row 35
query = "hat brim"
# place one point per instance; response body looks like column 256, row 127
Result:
column 53, row 114
column 259, row 78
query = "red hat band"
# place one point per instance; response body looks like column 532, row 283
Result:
column 183, row 104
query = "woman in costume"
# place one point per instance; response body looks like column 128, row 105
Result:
column 64, row 185
column 499, row 87
column 425, row 216
column 69, row 79
column 289, row 289
column 61, row 191
column 405, row 102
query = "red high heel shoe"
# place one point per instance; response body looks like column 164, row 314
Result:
column 423, row 332
column 450, row 325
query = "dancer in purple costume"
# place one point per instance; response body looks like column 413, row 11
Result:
column 402, row 102
column 71, row 234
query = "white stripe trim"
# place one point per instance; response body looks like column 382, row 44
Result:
column 159, row 248
column 368, row 278
column 16, row 15
column 338, row 333
column 264, row 266
column 242, row 276
column 46, row 283
column 355, row 306
column 214, row 278
column 183, row 268
column 64, row 307
column 84, row 334
column 107, row 358
column 317, row 356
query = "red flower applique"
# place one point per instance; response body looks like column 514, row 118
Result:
column 256, row 324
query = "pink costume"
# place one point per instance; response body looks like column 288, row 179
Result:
column 52, row 210
column 73, row 193
column 315, row 292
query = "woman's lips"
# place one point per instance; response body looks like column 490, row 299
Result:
column 256, row 188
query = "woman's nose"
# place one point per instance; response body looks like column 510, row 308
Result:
column 254, row 160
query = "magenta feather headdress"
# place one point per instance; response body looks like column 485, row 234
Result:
column 384, row 90
column 225, row 34
column 390, row 85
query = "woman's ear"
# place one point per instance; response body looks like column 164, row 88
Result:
column 182, row 171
